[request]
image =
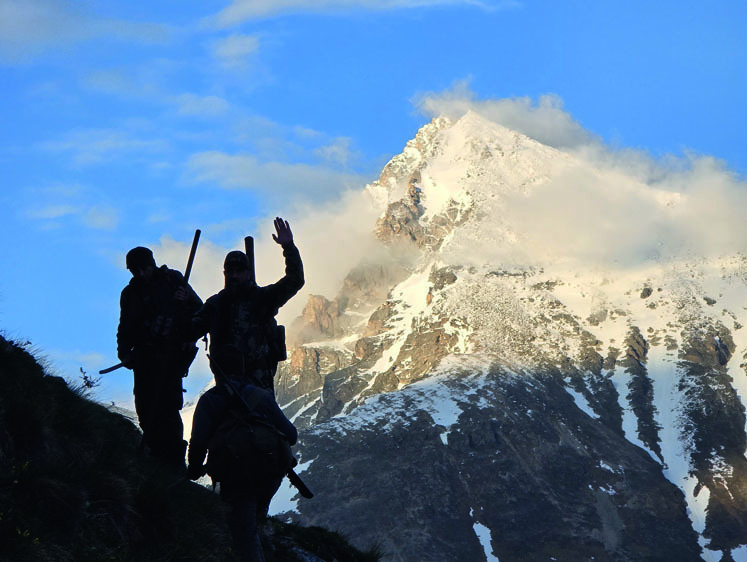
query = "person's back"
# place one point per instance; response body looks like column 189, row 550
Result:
column 216, row 404
column 247, row 495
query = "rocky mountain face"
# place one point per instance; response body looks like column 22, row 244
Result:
column 458, row 402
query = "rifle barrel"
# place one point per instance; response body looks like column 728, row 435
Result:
column 302, row 488
column 110, row 369
column 191, row 259
column 249, row 251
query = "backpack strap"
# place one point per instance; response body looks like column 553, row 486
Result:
column 254, row 398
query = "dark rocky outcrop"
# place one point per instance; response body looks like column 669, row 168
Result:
column 641, row 393
column 715, row 424
column 546, row 479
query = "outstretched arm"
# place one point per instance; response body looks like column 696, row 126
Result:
column 277, row 294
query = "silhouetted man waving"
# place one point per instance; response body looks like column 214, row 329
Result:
column 243, row 314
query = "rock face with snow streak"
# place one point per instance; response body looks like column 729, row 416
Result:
column 458, row 382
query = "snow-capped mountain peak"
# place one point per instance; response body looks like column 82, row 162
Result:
column 541, row 348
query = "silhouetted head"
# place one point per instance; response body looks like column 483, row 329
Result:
column 141, row 264
column 236, row 259
column 236, row 269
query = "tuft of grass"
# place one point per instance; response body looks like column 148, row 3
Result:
column 282, row 541
column 73, row 487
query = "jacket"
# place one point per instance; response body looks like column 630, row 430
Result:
column 211, row 408
column 246, row 319
column 149, row 316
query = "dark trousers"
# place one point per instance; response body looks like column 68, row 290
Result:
column 247, row 509
column 158, row 400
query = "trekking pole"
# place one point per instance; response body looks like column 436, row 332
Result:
column 187, row 272
column 293, row 477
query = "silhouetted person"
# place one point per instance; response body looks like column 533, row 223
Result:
column 248, row 497
column 155, row 309
column 243, row 314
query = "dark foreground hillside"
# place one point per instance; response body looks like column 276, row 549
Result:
column 73, row 487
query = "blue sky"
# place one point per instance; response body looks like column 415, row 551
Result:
column 134, row 123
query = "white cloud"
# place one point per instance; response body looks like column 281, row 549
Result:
column 234, row 51
column 29, row 28
column 338, row 152
column 201, row 106
column 603, row 217
column 305, row 132
column 144, row 79
column 101, row 218
column 240, row 11
column 92, row 146
column 545, row 120
column 114, row 80
column 333, row 237
column 276, row 180
column 95, row 217
column 55, row 211
column 56, row 205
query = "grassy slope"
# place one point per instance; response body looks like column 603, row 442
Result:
column 72, row 486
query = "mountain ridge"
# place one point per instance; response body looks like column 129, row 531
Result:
column 646, row 352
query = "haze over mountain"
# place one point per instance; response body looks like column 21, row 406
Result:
column 539, row 356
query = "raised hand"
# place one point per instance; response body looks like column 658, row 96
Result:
column 284, row 234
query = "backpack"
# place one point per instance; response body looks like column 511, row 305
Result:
column 246, row 446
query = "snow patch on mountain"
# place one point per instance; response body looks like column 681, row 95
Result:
column 409, row 298
column 581, row 401
column 483, row 535
column 434, row 395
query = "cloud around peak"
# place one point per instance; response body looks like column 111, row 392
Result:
column 544, row 120
column 605, row 207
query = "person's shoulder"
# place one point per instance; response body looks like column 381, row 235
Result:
column 254, row 291
column 130, row 289
column 215, row 391
column 216, row 298
column 248, row 390
column 171, row 274
column 213, row 395
column 266, row 398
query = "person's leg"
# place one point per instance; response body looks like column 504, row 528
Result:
column 166, row 434
column 242, row 521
